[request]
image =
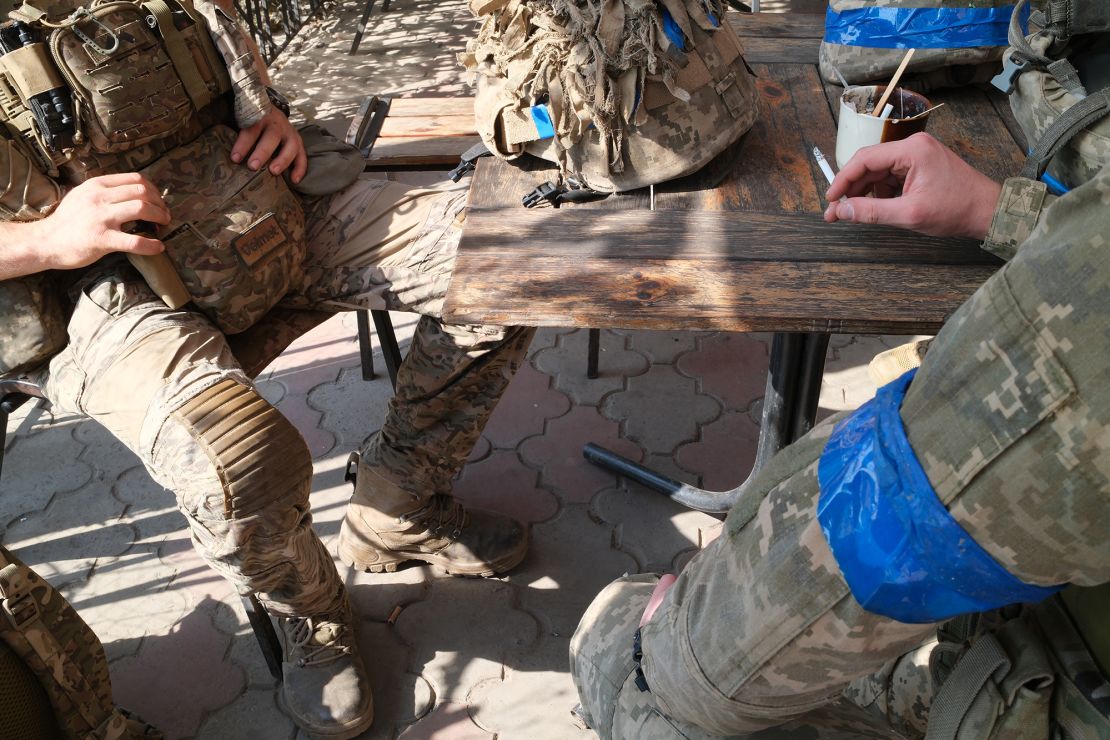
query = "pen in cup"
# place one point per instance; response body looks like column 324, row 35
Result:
column 826, row 169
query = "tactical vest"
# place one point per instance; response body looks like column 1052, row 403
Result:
column 143, row 88
column 619, row 94
column 1058, row 79
column 55, row 670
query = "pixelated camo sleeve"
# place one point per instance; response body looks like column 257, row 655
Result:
column 1016, row 215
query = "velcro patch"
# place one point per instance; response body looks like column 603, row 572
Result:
column 260, row 240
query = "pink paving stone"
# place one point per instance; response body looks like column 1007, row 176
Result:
column 501, row 482
column 307, row 421
column 481, row 450
column 448, row 721
column 178, row 678
column 559, row 453
column 732, row 367
column 528, row 401
column 332, row 342
column 725, row 453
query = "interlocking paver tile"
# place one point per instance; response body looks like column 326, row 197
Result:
column 462, row 632
column 400, row 697
column 663, row 346
column 38, row 467
column 178, row 677
column 666, row 465
column 307, row 421
column 570, row 560
column 352, row 408
column 501, row 482
column 527, row 403
column 448, row 721
column 567, row 362
column 847, row 384
column 76, row 530
column 558, row 453
column 660, row 409
column 316, row 357
column 107, row 455
column 247, row 655
column 650, row 526
column 534, row 700
column 725, row 453
column 546, row 338
column 732, row 367
column 252, row 716
column 481, row 450
column 376, row 595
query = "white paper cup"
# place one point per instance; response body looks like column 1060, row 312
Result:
column 857, row 128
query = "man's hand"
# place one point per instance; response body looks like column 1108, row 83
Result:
column 257, row 145
column 918, row 184
column 89, row 221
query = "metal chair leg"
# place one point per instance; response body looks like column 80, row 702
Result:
column 365, row 349
column 264, row 632
column 388, row 339
column 362, row 24
column 593, row 347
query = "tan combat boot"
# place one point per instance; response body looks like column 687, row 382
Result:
column 386, row 526
column 325, row 688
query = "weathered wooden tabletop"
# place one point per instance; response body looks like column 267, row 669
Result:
column 751, row 253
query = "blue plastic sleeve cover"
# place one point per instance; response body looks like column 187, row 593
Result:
column 920, row 28
column 900, row 551
column 541, row 116
column 674, row 33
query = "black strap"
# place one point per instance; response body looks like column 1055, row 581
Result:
column 1076, row 118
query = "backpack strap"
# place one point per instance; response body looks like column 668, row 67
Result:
column 1085, row 113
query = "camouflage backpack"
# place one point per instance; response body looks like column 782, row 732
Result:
column 54, row 669
column 1058, row 79
column 956, row 42
column 1029, row 672
column 620, row 94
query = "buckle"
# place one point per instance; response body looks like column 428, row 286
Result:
column 547, row 191
column 637, row 657
column 468, row 161
column 1006, row 80
column 20, row 610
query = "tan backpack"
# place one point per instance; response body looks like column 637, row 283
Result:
column 620, row 94
column 44, row 641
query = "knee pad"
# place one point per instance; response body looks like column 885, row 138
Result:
column 261, row 459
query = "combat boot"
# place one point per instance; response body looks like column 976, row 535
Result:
column 386, row 526
column 325, row 688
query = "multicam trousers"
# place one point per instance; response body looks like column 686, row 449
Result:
column 1009, row 416
column 140, row 369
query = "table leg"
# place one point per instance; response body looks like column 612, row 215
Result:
column 789, row 407
column 362, row 26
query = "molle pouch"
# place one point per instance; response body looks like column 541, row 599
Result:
column 126, row 87
column 237, row 236
column 957, row 42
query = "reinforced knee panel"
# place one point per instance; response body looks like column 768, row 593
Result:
column 261, row 459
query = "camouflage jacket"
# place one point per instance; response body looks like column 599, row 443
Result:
column 1016, row 215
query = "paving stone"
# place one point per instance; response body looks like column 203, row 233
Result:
column 352, row 408
column 725, row 453
column 570, row 560
column 534, row 700
column 527, row 403
column 567, row 363
column 652, row 413
column 481, row 450
column 666, row 465
column 462, row 632
column 78, row 528
column 400, row 697
column 841, row 340
column 503, row 483
column 316, row 357
column 375, row 595
column 663, row 346
column 450, row 720
column 545, row 338
column 108, row 456
column 176, row 679
column 558, row 453
column 39, row 466
column 307, row 421
column 271, row 390
column 847, row 384
column 151, row 509
column 252, row 716
column 247, row 655
column 649, row 526
column 730, row 367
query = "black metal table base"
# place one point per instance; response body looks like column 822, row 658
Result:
column 789, row 409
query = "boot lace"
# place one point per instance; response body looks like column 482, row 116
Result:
column 441, row 514
column 316, row 640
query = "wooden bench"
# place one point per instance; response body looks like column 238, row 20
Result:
column 413, row 132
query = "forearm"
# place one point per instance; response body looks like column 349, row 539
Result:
column 21, row 254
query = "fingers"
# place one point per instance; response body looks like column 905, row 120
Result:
column 244, row 142
column 119, row 241
column 264, row 148
column 291, row 153
column 900, row 212
column 300, row 163
column 137, row 210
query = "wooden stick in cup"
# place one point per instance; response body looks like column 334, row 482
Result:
column 890, row 86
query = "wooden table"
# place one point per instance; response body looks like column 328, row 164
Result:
column 740, row 246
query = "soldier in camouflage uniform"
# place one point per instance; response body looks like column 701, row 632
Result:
column 171, row 386
column 1007, row 421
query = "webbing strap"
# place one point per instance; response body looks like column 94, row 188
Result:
column 211, row 55
column 179, row 54
column 958, row 692
column 1063, row 70
column 1069, row 123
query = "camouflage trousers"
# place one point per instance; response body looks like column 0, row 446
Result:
column 141, row 369
column 1009, row 416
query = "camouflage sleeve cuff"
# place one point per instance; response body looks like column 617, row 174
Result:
column 247, row 85
column 1016, row 215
